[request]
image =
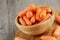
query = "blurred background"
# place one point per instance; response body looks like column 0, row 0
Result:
column 9, row 9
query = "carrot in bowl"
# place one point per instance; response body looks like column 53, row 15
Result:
column 48, row 9
column 43, row 14
column 30, row 8
column 33, row 19
column 38, row 11
column 28, row 22
column 29, row 14
column 47, row 16
column 21, row 20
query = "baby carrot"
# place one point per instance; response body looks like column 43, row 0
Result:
column 38, row 11
column 19, row 38
column 30, row 8
column 48, row 9
column 22, row 21
column 28, row 22
column 47, row 16
column 33, row 19
column 43, row 14
column 57, row 32
column 29, row 14
column 48, row 38
column 57, row 19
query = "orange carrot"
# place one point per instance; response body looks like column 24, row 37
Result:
column 22, row 21
column 19, row 38
column 28, row 22
column 57, row 19
column 33, row 19
column 43, row 14
column 30, row 8
column 38, row 11
column 57, row 32
column 48, row 9
column 29, row 14
column 48, row 38
column 47, row 16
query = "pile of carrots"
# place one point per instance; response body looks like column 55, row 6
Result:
column 33, row 14
column 55, row 35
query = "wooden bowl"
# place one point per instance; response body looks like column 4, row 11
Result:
column 37, row 28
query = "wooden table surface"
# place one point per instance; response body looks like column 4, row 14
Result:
column 9, row 10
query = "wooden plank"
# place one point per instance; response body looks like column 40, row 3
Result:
column 4, row 29
column 9, row 10
column 12, row 15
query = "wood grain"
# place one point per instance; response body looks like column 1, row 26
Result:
column 4, row 29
